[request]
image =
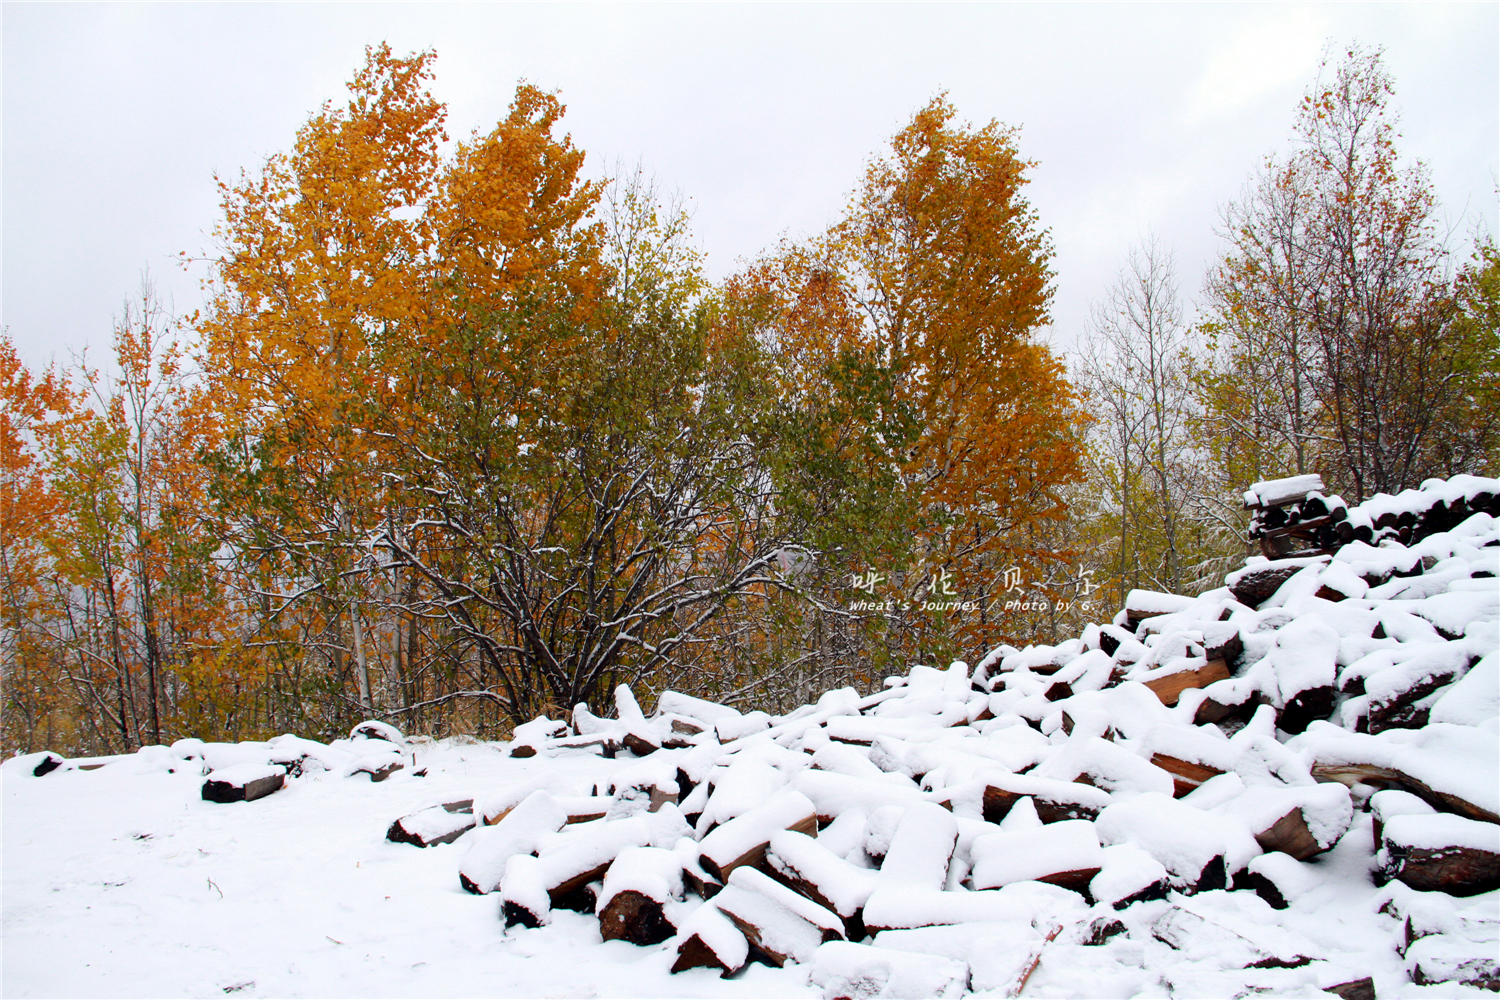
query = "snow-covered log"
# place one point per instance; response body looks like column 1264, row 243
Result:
column 243, row 783
column 1439, row 852
column 441, row 824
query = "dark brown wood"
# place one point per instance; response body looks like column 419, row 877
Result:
column 756, row 856
column 1356, row 989
column 379, row 772
column 215, row 790
column 399, row 834
column 1170, row 687
column 1401, row 711
column 1078, row 880
column 51, row 762
column 695, row 954
column 1458, row 871
column 1289, row 835
column 635, row 917
column 1256, row 585
column 639, row 745
column 566, row 894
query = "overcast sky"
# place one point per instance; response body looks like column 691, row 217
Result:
column 1140, row 117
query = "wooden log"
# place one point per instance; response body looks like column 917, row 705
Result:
column 633, row 916
column 1170, row 687
column 433, row 825
column 1436, row 853
column 1253, row 587
column 1289, row 835
column 243, row 783
column 710, row 940
column 744, row 839
column 1377, row 776
column 377, row 771
column 1355, row 989
column 779, row 922
column 1307, row 707
column 807, row 867
column 50, row 762
column 1186, row 775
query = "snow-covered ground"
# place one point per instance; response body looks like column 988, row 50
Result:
column 123, row 882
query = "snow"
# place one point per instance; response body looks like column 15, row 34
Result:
column 433, row 822
column 1435, row 831
column 1015, row 855
column 857, row 971
column 244, row 774
column 1182, row 838
column 843, row 886
column 921, row 847
column 1474, row 698
column 654, row 872
column 1124, row 871
column 1274, row 491
column 755, row 827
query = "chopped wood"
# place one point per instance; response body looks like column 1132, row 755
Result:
column 1186, row 775
column 1308, row 706
column 1254, row 586
column 50, row 762
column 710, row 940
column 639, row 745
column 1289, row 835
column 694, row 953
column 232, row 788
column 378, row 772
column 434, row 825
column 1078, row 880
column 1456, row 870
column 1170, row 687
column 1377, row 776
column 756, row 855
column 635, row 917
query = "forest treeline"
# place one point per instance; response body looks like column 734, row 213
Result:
column 460, row 437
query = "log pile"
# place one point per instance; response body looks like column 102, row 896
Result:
column 949, row 831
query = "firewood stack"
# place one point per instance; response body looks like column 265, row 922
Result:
column 1292, row 517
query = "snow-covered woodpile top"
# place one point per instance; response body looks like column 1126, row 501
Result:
column 1287, row 785
column 1293, row 517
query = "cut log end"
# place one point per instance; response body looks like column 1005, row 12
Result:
column 635, row 917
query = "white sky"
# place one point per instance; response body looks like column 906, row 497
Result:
column 1141, row 117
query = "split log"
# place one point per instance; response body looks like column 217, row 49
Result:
column 1186, row 775
column 806, row 866
column 243, row 783
column 1378, row 776
column 1064, row 854
column 523, row 892
column 1253, row 586
column 48, row 763
column 1438, row 853
column 441, row 824
column 638, row 893
column 779, row 922
column 1355, row 989
column 520, row 830
column 377, row 770
column 1055, row 801
column 1222, row 641
column 744, row 839
column 1170, row 687
column 710, row 940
